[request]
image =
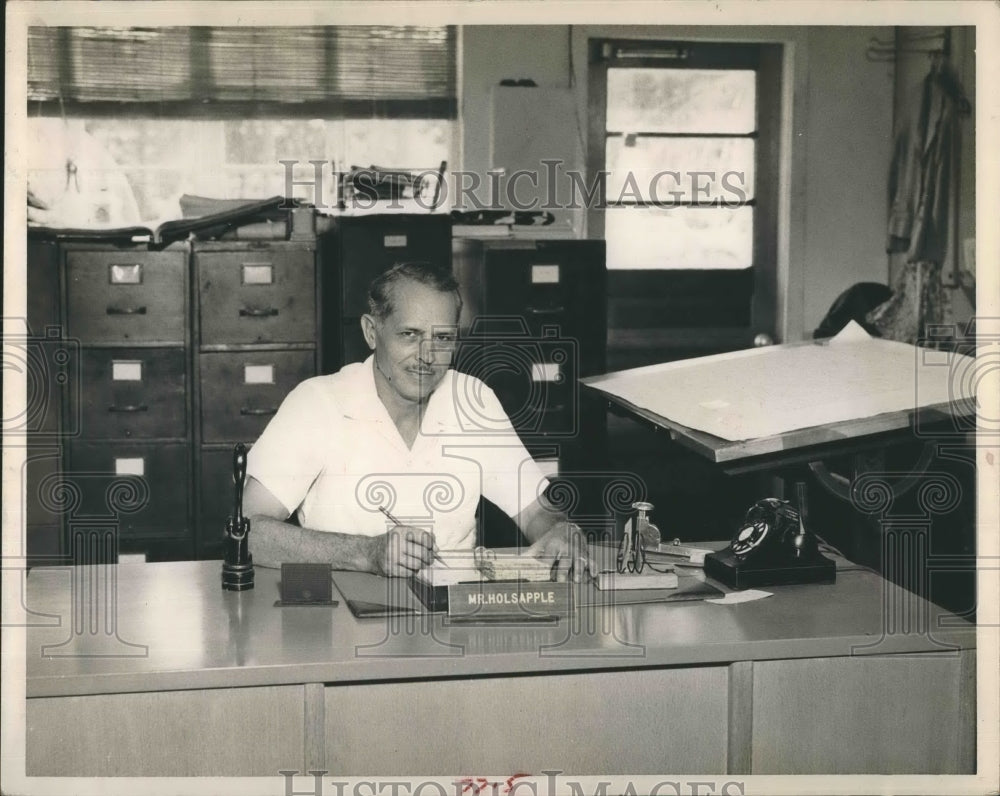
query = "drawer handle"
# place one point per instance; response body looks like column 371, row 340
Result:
column 126, row 310
column 546, row 310
column 253, row 312
column 268, row 410
column 129, row 408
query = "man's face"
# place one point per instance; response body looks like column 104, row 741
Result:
column 414, row 343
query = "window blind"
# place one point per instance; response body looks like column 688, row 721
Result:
column 359, row 70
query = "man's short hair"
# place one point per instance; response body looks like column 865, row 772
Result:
column 426, row 273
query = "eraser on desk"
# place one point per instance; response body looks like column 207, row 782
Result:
column 306, row 584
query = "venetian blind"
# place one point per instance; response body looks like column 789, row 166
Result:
column 353, row 67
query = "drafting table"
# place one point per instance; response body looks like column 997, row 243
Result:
column 810, row 400
column 780, row 408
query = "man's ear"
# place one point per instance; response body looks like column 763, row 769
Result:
column 368, row 330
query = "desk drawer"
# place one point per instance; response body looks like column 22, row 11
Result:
column 145, row 485
column 257, row 296
column 126, row 296
column 132, row 393
column 241, row 391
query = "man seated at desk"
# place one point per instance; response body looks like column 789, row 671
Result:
column 400, row 433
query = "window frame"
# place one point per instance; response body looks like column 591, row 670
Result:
column 760, row 284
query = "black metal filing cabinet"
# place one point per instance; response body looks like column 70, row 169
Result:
column 362, row 247
column 49, row 360
column 256, row 322
column 127, row 414
column 536, row 321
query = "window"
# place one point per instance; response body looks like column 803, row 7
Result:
column 685, row 134
column 680, row 148
column 214, row 111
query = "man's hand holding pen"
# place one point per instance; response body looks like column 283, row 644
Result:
column 405, row 552
column 402, row 550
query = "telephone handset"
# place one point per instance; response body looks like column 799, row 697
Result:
column 772, row 527
column 771, row 547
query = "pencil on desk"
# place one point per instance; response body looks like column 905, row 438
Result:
column 387, row 513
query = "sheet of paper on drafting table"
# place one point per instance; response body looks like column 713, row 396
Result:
column 761, row 392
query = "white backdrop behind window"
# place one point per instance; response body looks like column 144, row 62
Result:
column 154, row 161
column 76, row 178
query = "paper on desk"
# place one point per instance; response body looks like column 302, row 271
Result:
column 460, row 567
column 763, row 392
column 736, row 597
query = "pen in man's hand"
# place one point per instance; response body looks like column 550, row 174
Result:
column 387, row 513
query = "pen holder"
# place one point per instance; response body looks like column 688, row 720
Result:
column 237, row 564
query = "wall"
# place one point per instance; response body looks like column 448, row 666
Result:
column 848, row 133
column 836, row 139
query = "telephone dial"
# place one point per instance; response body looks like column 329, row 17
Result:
column 772, row 547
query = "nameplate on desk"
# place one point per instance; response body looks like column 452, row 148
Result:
column 510, row 599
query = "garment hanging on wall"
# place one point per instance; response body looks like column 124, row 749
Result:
column 918, row 300
column 921, row 171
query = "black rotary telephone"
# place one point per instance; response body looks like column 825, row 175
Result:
column 772, row 547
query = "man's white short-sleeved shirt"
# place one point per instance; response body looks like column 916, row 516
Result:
column 333, row 455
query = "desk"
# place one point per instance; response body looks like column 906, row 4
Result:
column 197, row 681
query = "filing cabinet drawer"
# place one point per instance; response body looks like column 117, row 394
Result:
column 49, row 363
column 126, row 296
column 146, row 485
column 43, row 284
column 241, row 391
column 40, row 479
column 257, row 296
column 370, row 245
column 355, row 347
column 535, row 380
column 132, row 393
column 551, row 413
column 45, row 545
column 553, row 289
column 551, row 276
